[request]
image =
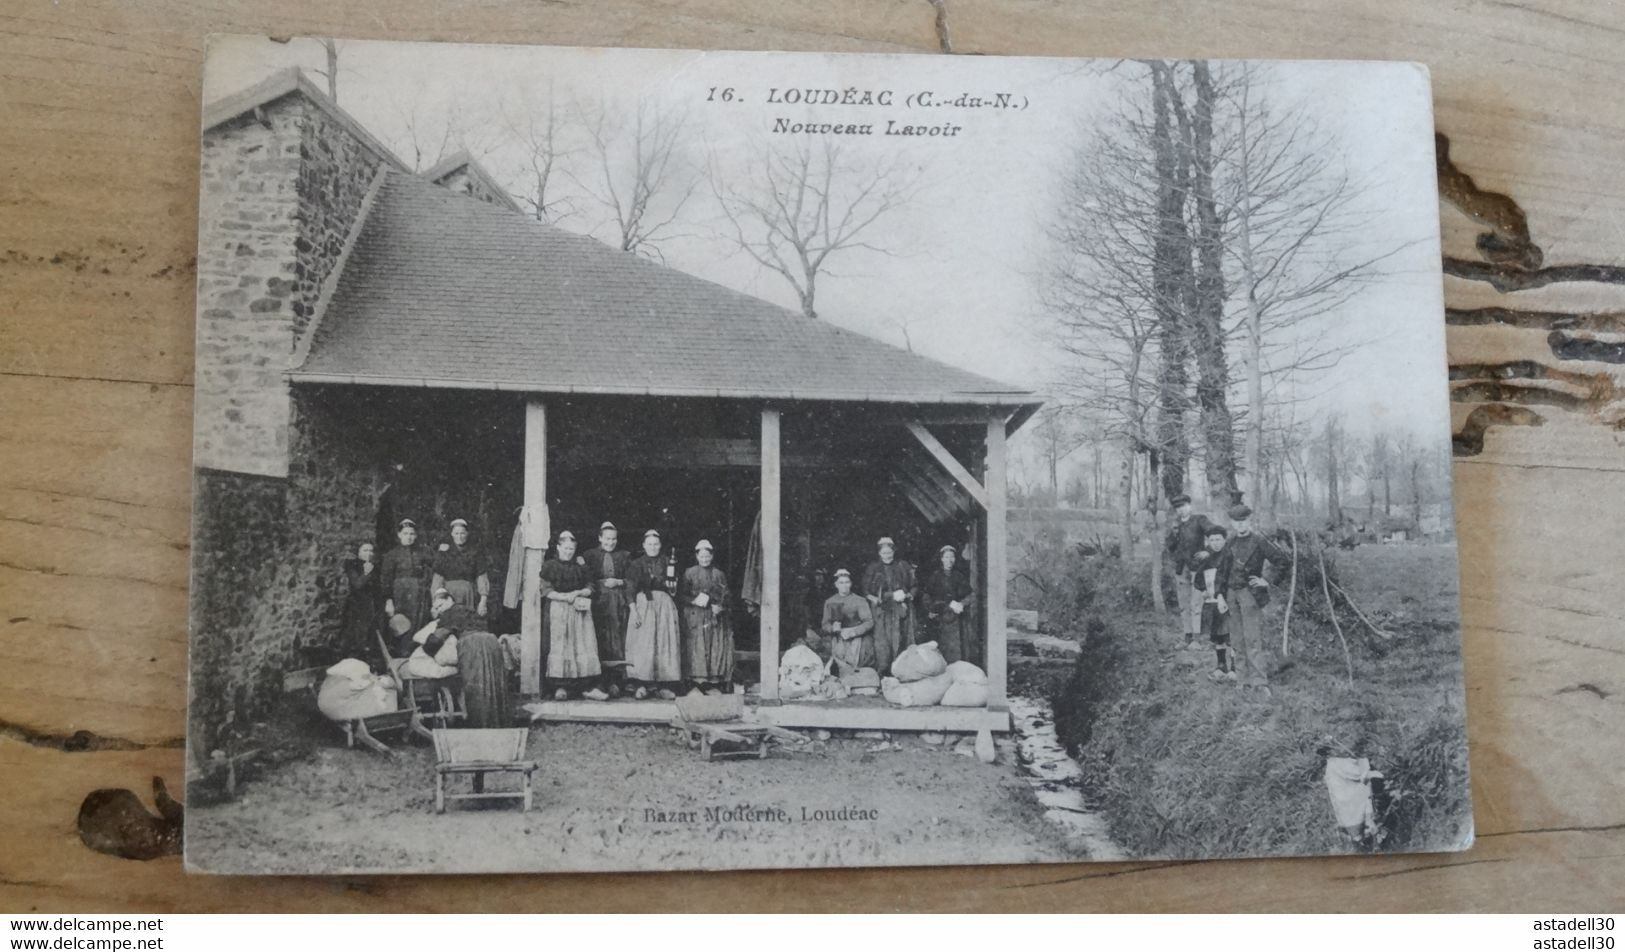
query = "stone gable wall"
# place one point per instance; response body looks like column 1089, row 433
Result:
column 248, row 221
column 280, row 492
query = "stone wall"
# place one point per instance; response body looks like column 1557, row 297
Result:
column 280, row 190
column 246, row 271
column 237, row 653
column 333, row 485
column 335, row 171
column 267, row 561
column 281, row 187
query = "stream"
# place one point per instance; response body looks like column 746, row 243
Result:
column 1057, row 779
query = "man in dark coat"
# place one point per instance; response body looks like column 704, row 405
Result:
column 1184, row 542
column 1247, row 591
column 891, row 587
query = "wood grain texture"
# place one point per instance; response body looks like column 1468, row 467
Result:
column 97, row 230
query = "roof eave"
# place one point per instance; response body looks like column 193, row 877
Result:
column 1017, row 400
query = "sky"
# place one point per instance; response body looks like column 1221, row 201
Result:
column 962, row 255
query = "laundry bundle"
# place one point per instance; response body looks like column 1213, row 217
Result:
column 921, row 677
column 800, row 672
column 917, row 662
column 863, row 682
column 969, row 688
column 351, row 691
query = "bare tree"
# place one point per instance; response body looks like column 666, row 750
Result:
column 1294, row 235
column 642, row 177
column 330, row 50
column 794, row 208
column 1099, row 287
column 330, row 46
column 1333, row 450
column 1058, row 437
column 539, row 131
column 432, row 131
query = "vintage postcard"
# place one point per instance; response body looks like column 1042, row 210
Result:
column 646, row 460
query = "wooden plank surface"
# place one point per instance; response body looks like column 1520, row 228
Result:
column 100, row 106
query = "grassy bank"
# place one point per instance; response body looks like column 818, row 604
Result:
column 1184, row 767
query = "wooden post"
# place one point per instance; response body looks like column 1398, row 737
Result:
column 535, row 499
column 998, row 575
column 770, row 556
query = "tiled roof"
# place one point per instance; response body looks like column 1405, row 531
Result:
column 441, row 290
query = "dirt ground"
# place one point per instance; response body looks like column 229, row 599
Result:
column 631, row 798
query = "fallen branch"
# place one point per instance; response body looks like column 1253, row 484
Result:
column 1331, row 609
column 1385, row 635
column 1291, row 590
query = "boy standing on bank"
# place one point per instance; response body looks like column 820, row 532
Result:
column 1213, row 564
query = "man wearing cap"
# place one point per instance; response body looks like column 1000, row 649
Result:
column 654, row 649
column 708, row 636
column 949, row 603
column 890, row 586
column 1247, row 593
column 1185, row 539
column 849, row 622
column 459, row 568
column 403, row 577
column 608, row 564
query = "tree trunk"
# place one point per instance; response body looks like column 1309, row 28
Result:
column 1155, row 503
column 1416, row 492
column 1170, row 274
column 1213, row 372
column 1334, row 499
column 332, row 48
column 1253, row 354
column 1127, row 527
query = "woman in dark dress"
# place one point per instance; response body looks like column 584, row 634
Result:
column 572, row 645
column 654, row 643
column 949, row 610
column 361, row 604
column 708, row 636
column 404, row 577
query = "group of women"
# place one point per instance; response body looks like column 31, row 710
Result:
column 615, row 623
column 870, row 628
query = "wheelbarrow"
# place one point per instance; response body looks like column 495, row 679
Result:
column 479, row 751
column 715, row 726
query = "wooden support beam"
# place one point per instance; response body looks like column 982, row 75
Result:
column 942, row 487
column 998, row 573
column 955, row 468
column 921, row 496
column 535, row 499
column 771, row 517
column 690, row 453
